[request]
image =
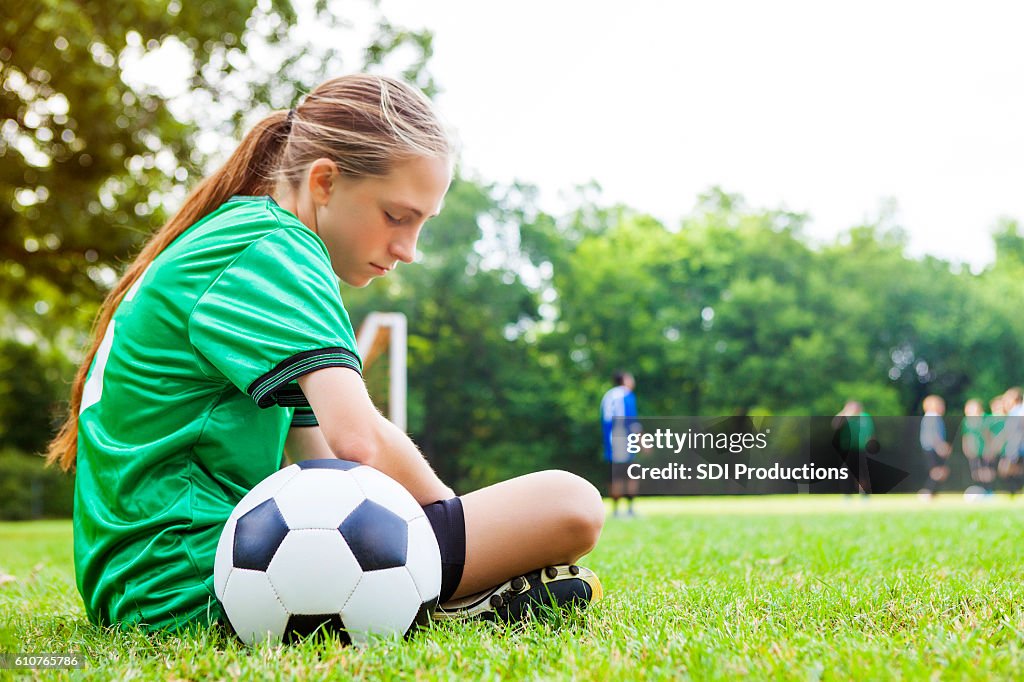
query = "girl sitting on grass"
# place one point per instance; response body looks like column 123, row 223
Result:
column 226, row 345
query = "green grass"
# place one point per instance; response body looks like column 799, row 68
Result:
column 790, row 588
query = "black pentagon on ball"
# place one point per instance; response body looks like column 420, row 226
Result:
column 376, row 535
column 302, row 625
column 328, row 463
column 258, row 534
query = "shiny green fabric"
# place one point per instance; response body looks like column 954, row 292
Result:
column 171, row 435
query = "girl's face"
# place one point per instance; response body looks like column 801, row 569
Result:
column 370, row 224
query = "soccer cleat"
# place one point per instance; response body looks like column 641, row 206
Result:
column 561, row 586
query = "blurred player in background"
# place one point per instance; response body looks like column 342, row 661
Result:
column 1011, row 467
column 855, row 433
column 972, row 439
column 995, row 439
column 618, row 419
column 933, row 443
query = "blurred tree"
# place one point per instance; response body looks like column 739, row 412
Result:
column 927, row 328
column 29, row 393
column 993, row 330
column 1009, row 244
column 735, row 312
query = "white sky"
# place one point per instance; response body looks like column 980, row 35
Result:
column 819, row 107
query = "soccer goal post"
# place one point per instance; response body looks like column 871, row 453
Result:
column 387, row 331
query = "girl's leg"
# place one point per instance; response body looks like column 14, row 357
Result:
column 526, row 523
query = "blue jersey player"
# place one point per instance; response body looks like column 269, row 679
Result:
column 619, row 419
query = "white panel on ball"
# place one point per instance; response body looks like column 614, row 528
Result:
column 255, row 605
column 424, row 559
column 388, row 492
column 314, row 571
column 223, row 559
column 318, row 498
column 265, row 489
column 384, row 603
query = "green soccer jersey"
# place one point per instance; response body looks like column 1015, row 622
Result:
column 972, row 433
column 994, row 425
column 856, row 432
column 188, row 402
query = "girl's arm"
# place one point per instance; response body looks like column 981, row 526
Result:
column 306, row 442
column 352, row 428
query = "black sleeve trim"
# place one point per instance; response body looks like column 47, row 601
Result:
column 304, row 417
column 272, row 388
column 291, row 396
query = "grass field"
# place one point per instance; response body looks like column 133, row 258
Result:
column 785, row 588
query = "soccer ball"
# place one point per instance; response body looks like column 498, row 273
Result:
column 975, row 493
column 327, row 545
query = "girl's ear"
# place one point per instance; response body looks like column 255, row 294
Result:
column 322, row 173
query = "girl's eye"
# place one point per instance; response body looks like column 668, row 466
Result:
column 393, row 219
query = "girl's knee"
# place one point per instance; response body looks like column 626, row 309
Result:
column 580, row 506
